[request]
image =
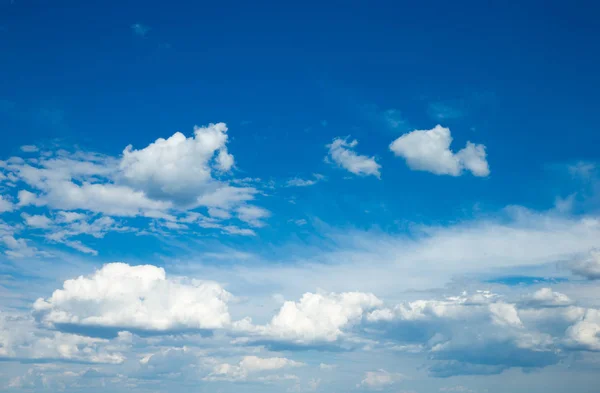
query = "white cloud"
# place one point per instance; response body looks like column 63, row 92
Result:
column 585, row 334
column 27, row 198
column 380, row 379
column 465, row 333
column 162, row 182
column 66, row 217
column 36, row 221
column 5, row 205
column 247, row 366
column 19, row 248
column 29, row 148
column 297, row 182
column 219, row 213
column 252, row 215
column 342, row 153
column 588, row 267
column 317, row 317
column 429, row 150
column 327, row 367
column 546, row 297
column 108, row 199
column 233, row 230
column 225, row 197
column 136, row 297
column 21, row 340
column 394, row 119
column 178, row 169
column 167, row 362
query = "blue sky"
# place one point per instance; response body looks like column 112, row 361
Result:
column 265, row 197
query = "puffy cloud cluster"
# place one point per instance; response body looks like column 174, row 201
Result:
column 121, row 296
column 484, row 334
column 316, row 318
column 21, row 340
column 585, row 333
column 380, row 379
column 342, row 153
column 169, row 181
column 249, row 365
column 429, row 150
column 479, row 333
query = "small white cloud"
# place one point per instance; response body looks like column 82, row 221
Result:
column 233, row 230
column 327, row 367
column 342, row 153
column 582, row 169
column 219, row 213
column 297, row 182
column 249, row 365
column 67, row 217
column 37, row 221
column 378, row 380
column 546, row 297
column 429, row 150
column 27, row 198
column 29, row 148
column 6, row 205
column 252, row 215
column 585, row 334
column 394, row 119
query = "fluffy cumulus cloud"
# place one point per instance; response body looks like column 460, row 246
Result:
column 546, row 297
column 316, row 318
column 585, row 333
column 481, row 332
column 167, row 182
column 341, row 153
column 378, row 380
column 249, row 366
column 178, row 169
column 429, row 150
column 121, row 296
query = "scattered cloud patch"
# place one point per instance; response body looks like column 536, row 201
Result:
column 248, row 366
column 429, row 150
column 341, row 152
column 378, row 380
column 29, row 148
column 588, row 267
column 394, row 119
column 252, row 215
